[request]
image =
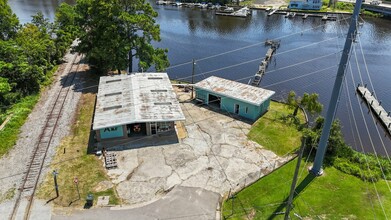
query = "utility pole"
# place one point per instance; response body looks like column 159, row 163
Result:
column 317, row 167
column 192, row 80
column 294, row 181
column 55, row 173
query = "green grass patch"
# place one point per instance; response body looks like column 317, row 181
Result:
column 8, row 195
column 334, row 195
column 276, row 133
column 75, row 162
column 20, row 111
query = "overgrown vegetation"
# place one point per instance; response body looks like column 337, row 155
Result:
column 368, row 167
column 20, row 112
column 29, row 54
column 29, row 57
column 334, row 195
column 72, row 160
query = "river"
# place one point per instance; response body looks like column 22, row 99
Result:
column 305, row 62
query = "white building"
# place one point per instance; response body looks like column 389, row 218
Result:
column 305, row 4
column 135, row 105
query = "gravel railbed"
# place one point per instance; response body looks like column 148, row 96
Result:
column 13, row 164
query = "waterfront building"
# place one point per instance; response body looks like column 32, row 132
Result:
column 305, row 4
column 135, row 105
column 237, row 98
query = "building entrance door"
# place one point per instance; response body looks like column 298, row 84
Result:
column 153, row 128
column 236, row 109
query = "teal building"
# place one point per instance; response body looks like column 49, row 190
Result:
column 236, row 98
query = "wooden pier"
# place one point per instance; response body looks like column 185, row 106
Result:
column 262, row 67
column 376, row 107
column 272, row 12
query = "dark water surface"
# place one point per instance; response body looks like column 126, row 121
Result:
column 305, row 62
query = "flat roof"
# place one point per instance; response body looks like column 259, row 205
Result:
column 135, row 98
column 236, row 90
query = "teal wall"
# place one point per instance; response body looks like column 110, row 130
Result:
column 111, row 132
column 228, row 104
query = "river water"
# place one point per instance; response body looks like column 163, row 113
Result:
column 305, row 62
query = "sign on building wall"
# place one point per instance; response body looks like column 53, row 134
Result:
column 111, row 132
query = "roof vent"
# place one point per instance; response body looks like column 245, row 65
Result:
column 114, row 80
column 162, row 103
column 114, row 93
column 112, row 107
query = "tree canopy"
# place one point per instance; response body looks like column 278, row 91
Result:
column 28, row 53
column 309, row 102
column 9, row 23
column 113, row 33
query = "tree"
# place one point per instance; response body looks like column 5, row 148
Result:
column 309, row 102
column 37, row 45
column 65, row 27
column 15, row 66
column 9, row 22
column 114, row 32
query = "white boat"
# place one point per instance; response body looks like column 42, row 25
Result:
column 229, row 9
column 203, row 6
column 161, row 2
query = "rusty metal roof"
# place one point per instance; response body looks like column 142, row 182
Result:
column 135, row 98
column 239, row 91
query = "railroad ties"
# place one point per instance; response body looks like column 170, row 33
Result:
column 262, row 67
column 377, row 108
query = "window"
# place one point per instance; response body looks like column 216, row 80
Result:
column 159, row 90
column 155, row 77
column 163, row 126
column 246, row 110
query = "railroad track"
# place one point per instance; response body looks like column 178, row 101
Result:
column 37, row 160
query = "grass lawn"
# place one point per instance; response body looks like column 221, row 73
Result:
column 75, row 162
column 273, row 133
column 334, row 195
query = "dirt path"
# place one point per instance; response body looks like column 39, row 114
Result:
column 14, row 163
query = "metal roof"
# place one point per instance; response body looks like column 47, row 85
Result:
column 135, row 98
column 239, row 91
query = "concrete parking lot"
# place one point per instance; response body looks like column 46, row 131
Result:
column 215, row 155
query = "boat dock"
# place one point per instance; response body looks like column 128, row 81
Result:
column 262, row 67
column 272, row 12
column 377, row 108
column 290, row 14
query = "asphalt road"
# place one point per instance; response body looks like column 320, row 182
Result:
column 180, row 203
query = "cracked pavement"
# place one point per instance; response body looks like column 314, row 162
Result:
column 215, row 156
